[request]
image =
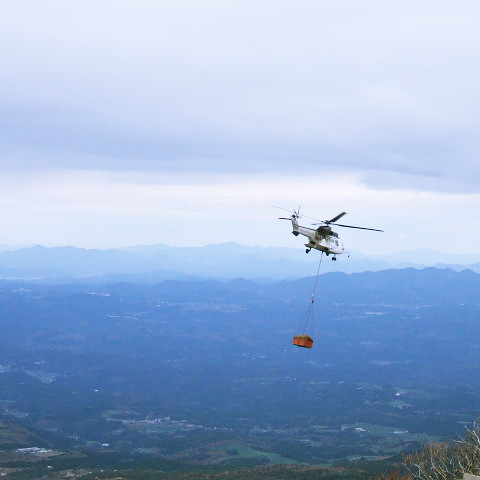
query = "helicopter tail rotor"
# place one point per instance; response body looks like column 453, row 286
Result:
column 295, row 213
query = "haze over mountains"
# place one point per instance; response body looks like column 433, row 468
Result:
column 153, row 263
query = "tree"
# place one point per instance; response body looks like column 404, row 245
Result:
column 442, row 461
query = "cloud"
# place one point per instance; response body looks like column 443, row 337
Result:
column 246, row 87
column 184, row 122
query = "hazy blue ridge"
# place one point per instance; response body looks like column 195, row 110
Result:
column 154, row 263
column 410, row 286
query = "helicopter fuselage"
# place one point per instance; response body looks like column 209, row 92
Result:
column 322, row 238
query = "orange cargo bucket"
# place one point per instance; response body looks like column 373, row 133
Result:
column 303, row 341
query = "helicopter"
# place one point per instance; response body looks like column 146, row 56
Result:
column 322, row 238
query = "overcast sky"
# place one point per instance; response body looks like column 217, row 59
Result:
column 184, row 122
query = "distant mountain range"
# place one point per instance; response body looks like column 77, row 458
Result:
column 154, row 263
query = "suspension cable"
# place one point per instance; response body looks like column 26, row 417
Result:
column 316, row 278
column 308, row 316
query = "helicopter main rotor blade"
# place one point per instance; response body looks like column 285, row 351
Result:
column 360, row 228
column 323, row 222
column 284, row 218
column 338, row 217
column 311, row 218
column 286, row 209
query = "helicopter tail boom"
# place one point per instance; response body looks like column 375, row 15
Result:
column 294, row 224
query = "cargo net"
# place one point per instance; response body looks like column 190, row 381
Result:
column 306, row 323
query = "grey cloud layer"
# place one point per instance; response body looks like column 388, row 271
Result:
column 244, row 86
